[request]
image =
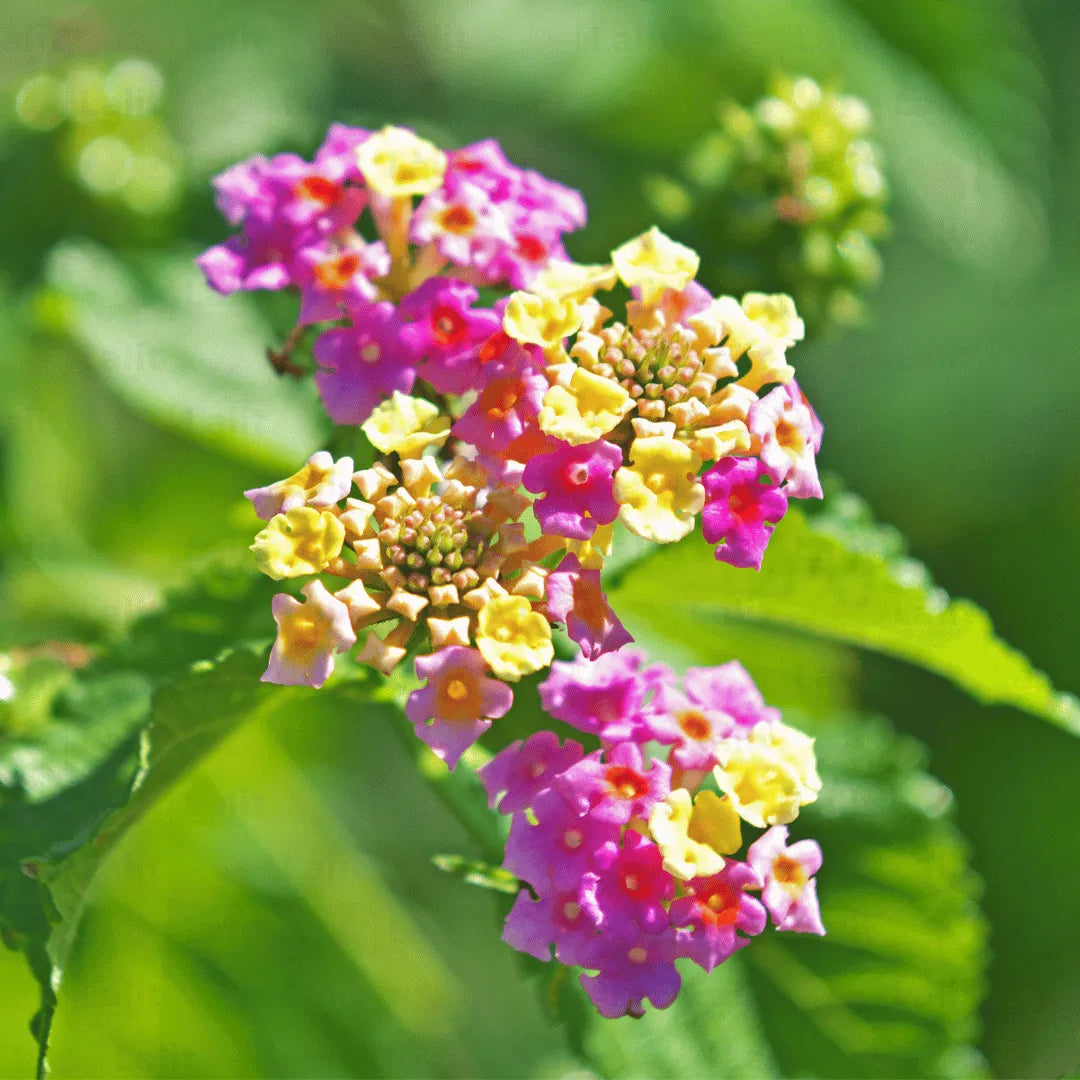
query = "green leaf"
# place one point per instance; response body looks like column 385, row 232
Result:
column 479, row 873
column 179, row 353
column 119, row 735
column 836, row 576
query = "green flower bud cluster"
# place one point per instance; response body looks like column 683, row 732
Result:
column 657, row 368
column 787, row 195
column 436, row 544
column 109, row 131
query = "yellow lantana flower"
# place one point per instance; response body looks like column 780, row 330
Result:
column 540, row 320
column 769, row 775
column 573, row 281
column 775, row 313
column 514, row 639
column 397, row 162
column 654, row 262
column 588, row 407
column 659, row 493
column 592, row 552
column 301, row 541
column 695, row 837
column 406, row 425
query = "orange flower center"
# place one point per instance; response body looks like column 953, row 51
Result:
column 458, row 219
column 625, row 782
column 694, row 725
column 319, row 189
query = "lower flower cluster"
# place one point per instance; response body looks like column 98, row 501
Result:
column 628, row 857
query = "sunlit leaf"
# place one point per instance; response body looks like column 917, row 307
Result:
column 184, row 356
column 837, row 576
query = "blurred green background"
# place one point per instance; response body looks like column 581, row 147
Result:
column 254, row 923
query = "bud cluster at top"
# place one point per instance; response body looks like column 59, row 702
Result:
column 793, row 190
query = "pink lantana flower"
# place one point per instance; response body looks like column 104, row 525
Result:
column 505, row 406
column 607, row 697
column 334, row 279
column 263, row 256
column 567, row 919
column 576, row 598
column 576, row 488
column 338, row 150
column 632, row 967
column 693, row 725
column 560, row 847
column 616, row 786
column 362, row 364
column 309, row 634
column 458, row 703
column 634, row 885
column 788, row 872
column 463, row 224
column 728, row 688
column 789, row 435
column 742, row 507
column 525, row 768
column 715, row 910
column 443, row 333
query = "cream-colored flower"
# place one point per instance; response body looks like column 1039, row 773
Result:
column 769, row 774
column 653, row 262
column 396, row 162
column 406, row 425
column 513, row 638
column 659, row 492
column 585, row 409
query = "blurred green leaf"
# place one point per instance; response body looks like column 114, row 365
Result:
column 182, row 355
column 118, row 737
column 479, row 873
column 837, row 575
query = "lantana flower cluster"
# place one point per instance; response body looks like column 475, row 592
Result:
column 628, row 852
column 509, row 438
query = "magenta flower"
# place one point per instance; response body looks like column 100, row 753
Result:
column 505, row 406
column 618, row 788
column 362, row 364
column 443, row 333
column 632, row 967
column 261, row 257
column 334, row 279
column 576, row 484
column 789, row 435
column 634, row 885
column 463, row 224
column 742, row 507
column 607, row 697
column 576, row 598
column 693, row 726
column 244, row 189
column 567, row 919
column 560, row 847
column 716, row 910
column 338, row 151
column 788, row 872
column 525, row 768
column 458, row 703
column 728, row 688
